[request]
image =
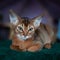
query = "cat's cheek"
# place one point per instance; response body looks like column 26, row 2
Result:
column 31, row 33
column 16, row 31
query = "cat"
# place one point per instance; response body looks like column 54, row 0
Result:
column 30, row 34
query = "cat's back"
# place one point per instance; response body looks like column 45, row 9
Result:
column 45, row 31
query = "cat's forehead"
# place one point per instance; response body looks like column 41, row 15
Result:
column 26, row 21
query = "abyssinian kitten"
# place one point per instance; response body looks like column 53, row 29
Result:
column 30, row 34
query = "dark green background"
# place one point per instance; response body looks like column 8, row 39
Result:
column 46, row 54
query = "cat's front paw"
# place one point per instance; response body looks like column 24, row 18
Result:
column 13, row 47
column 34, row 48
column 48, row 46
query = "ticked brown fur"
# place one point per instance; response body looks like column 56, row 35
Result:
column 41, row 36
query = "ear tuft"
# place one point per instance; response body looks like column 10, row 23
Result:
column 13, row 17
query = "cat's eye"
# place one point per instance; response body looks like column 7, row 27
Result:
column 30, row 29
column 20, row 28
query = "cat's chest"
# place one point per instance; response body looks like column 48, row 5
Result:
column 22, row 44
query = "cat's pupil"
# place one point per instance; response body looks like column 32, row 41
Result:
column 30, row 29
column 20, row 28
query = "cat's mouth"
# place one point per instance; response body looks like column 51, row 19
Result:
column 23, row 37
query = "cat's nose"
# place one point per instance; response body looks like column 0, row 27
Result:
column 24, row 34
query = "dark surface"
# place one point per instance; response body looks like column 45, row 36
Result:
column 46, row 54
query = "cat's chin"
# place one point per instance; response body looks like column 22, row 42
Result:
column 22, row 38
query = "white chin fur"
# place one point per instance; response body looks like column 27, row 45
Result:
column 22, row 37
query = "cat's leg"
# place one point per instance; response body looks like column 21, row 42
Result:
column 22, row 48
column 47, row 45
column 14, row 47
column 47, row 41
column 35, row 47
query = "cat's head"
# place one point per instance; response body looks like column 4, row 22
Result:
column 24, row 28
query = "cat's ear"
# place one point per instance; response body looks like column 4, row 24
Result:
column 37, row 21
column 13, row 18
